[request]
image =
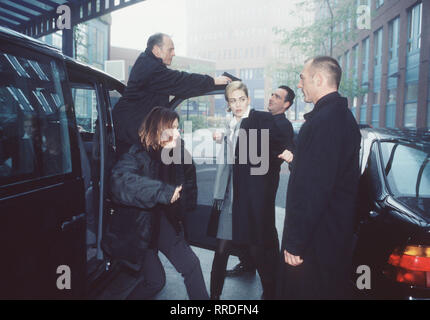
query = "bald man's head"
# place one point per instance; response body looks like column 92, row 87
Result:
column 329, row 67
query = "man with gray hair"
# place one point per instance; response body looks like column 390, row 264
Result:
column 320, row 212
column 150, row 84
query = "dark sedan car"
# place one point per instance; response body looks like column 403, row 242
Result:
column 393, row 229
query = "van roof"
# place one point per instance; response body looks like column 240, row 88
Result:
column 35, row 44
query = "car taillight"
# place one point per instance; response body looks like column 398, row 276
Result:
column 412, row 265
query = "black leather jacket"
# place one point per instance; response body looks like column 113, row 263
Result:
column 140, row 195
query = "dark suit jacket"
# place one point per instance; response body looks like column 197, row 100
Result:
column 253, row 221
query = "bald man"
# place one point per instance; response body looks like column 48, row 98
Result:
column 150, row 85
column 318, row 230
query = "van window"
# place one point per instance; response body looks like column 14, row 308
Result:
column 86, row 108
column 34, row 129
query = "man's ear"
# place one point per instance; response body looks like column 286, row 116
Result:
column 156, row 51
column 319, row 79
column 288, row 103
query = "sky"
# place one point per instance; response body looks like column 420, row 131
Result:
column 132, row 26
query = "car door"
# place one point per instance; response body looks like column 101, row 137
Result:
column 42, row 214
column 199, row 118
column 91, row 92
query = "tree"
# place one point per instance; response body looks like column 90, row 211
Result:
column 331, row 27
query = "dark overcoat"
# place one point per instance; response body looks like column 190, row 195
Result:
column 253, row 221
column 321, row 202
column 150, row 84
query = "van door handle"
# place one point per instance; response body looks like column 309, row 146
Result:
column 373, row 214
column 72, row 220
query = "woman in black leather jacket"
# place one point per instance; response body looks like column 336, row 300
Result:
column 152, row 195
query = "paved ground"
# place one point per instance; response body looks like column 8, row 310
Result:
column 247, row 287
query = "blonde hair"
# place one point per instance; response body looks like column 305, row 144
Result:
column 233, row 86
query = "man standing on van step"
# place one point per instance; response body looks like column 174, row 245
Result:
column 150, row 84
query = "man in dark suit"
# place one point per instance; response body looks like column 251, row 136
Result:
column 320, row 211
column 280, row 101
column 150, row 84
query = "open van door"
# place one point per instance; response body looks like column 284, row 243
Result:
column 92, row 101
column 199, row 118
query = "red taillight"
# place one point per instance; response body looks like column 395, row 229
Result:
column 412, row 265
column 415, row 263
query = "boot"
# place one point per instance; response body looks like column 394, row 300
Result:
column 217, row 283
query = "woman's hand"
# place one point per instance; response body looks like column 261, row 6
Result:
column 176, row 194
column 217, row 137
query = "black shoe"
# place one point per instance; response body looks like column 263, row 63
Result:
column 240, row 269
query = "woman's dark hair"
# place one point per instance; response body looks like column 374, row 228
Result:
column 158, row 120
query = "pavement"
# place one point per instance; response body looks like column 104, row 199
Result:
column 246, row 287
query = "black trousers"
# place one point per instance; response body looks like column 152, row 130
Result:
column 265, row 258
column 152, row 278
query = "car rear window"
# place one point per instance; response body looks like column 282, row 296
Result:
column 407, row 168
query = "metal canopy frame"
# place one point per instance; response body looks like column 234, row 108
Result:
column 37, row 18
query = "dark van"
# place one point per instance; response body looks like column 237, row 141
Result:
column 56, row 148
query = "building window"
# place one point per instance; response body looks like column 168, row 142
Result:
column 390, row 116
column 379, row 3
column 355, row 61
column 375, row 109
column 414, row 28
column 365, row 59
column 363, row 109
column 363, row 114
column 375, row 116
column 390, row 110
column 258, row 74
column 411, row 99
column 347, row 63
column 378, row 47
column 259, row 94
column 393, row 45
column 376, row 97
column 391, row 96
